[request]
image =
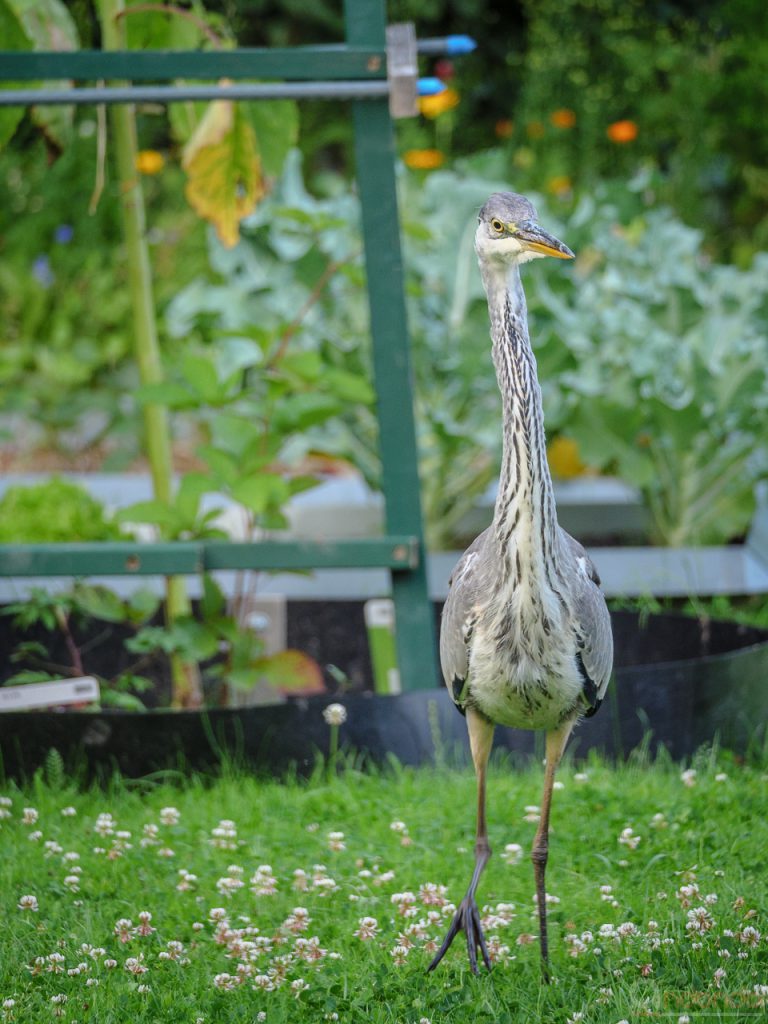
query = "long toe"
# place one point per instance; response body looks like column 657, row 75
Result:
column 466, row 919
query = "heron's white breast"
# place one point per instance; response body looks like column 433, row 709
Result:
column 521, row 674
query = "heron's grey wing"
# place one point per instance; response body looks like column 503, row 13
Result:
column 592, row 624
column 458, row 620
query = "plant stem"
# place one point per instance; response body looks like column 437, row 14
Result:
column 186, row 687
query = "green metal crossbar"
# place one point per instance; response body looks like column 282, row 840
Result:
column 361, row 60
column 181, row 558
column 301, row 63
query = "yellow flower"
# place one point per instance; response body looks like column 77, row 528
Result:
column 433, row 106
column 149, row 161
column 423, row 159
column 563, row 457
column 560, row 185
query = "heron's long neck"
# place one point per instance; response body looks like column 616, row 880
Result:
column 525, row 516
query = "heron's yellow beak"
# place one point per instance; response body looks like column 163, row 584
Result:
column 534, row 238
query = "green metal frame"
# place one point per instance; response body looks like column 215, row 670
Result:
column 401, row 550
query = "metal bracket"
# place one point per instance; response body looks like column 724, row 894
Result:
column 402, row 70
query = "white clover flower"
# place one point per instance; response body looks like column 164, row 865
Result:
column 628, row 838
column 170, row 816
column 187, row 880
column 263, row 882
column 335, row 714
column 749, row 936
column 134, row 965
column 513, row 853
column 124, row 929
column 336, row 841
column 699, row 921
column 144, row 927
column 225, row 982
column 368, row 926
column 105, row 825
column 688, row 777
column 432, row 895
column 532, row 813
column 68, row 812
column 405, row 903
column 228, row 885
column 29, row 816
column 28, row 902
column 224, row 836
column 298, row 986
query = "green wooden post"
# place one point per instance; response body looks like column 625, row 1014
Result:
column 375, row 171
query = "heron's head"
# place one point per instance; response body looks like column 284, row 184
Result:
column 508, row 232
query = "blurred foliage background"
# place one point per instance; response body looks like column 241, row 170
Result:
column 637, row 127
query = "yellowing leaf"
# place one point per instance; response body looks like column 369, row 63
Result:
column 223, row 169
column 291, row 672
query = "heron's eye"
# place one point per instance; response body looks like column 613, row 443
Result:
column 497, row 225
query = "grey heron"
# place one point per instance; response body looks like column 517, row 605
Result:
column 525, row 639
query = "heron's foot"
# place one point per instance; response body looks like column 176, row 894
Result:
column 466, row 919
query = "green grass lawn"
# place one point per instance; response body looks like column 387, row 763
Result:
column 245, row 900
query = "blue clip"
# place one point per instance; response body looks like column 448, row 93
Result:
column 430, row 87
column 455, row 46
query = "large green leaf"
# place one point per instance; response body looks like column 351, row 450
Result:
column 262, row 492
column 171, row 29
column 14, row 37
column 276, row 124
column 100, row 602
column 50, row 26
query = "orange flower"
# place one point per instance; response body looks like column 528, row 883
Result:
column 423, row 159
column 563, row 118
column 504, row 128
column 535, row 129
column 560, row 185
column 433, row 106
column 149, row 161
column 622, row 132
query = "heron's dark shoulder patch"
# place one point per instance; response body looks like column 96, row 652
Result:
column 457, row 690
column 589, row 689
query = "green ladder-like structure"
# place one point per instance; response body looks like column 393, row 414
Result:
column 360, row 70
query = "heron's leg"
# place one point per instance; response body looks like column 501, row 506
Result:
column 556, row 742
column 467, row 917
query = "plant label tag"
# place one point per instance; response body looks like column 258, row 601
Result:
column 55, row 693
